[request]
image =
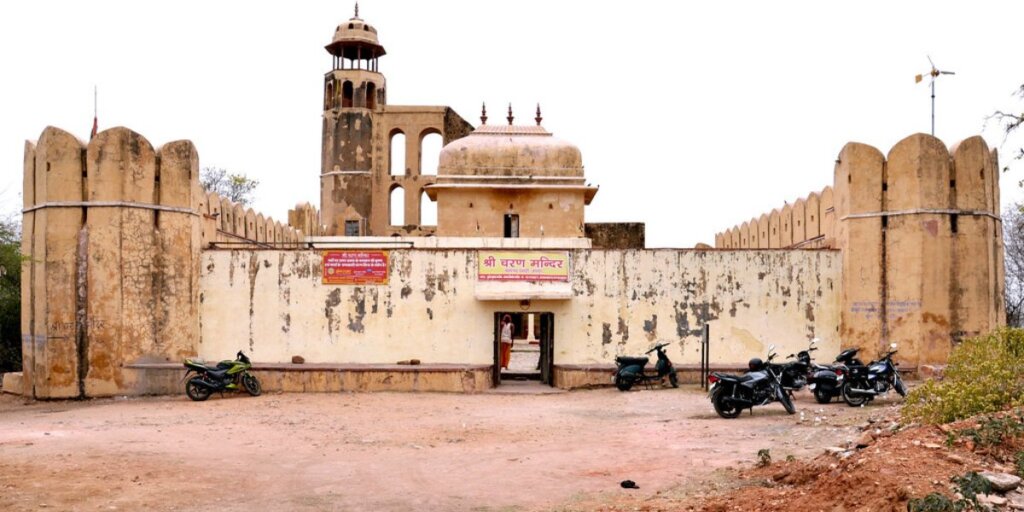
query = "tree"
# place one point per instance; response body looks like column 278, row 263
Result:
column 1009, row 123
column 234, row 186
column 1013, row 242
column 10, row 294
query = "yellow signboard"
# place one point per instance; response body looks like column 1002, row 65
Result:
column 523, row 266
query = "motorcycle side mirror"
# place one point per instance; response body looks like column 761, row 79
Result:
column 892, row 346
column 815, row 341
column 771, row 348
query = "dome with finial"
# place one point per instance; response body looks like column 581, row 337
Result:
column 511, row 151
column 355, row 34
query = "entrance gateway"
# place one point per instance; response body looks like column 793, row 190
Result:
column 533, row 347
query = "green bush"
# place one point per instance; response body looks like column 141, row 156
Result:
column 985, row 374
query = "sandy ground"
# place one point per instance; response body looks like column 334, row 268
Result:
column 390, row 451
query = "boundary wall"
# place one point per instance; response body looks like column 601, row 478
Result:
column 273, row 305
column 921, row 237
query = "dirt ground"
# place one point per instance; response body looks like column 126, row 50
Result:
column 510, row 451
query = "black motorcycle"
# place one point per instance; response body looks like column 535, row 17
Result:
column 795, row 373
column 730, row 394
column 631, row 370
column 826, row 381
column 865, row 382
column 227, row 375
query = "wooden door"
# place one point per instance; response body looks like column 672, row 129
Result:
column 547, row 348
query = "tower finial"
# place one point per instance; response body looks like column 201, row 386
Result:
column 510, row 118
column 483, row 113
column 357, row 10
column 538, row 118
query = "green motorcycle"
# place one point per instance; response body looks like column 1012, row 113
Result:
column 227, row 375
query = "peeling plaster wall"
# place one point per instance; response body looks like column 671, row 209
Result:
column 272, row 304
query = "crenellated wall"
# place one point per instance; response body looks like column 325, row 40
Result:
column 226, row 223
column 112, row 234
column 921, row 239
column 809, row 223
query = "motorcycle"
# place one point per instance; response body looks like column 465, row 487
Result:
column 630, row 370
column 865, row 382
column 761, row 385
column 231, row 375
column 795, row 373
column 826, row 381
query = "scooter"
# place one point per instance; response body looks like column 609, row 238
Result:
column 227, row 375
column 762, row 385
column 630, row 370
column 865, row 382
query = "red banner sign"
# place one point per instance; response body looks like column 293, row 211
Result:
column 355, row 267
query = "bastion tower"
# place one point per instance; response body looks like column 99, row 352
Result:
column 356, row 182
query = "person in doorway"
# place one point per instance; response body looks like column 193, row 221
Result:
column 506, row 340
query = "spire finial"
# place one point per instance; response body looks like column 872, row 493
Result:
column 538, row 118
column 357, row 11
column 510, row 118
column 483, row 113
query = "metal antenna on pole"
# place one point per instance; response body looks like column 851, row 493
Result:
column 933, row 73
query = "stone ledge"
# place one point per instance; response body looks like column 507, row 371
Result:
column 328, row 367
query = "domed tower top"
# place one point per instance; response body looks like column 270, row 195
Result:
column 355, row 40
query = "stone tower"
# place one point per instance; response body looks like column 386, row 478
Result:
column 358, row 128
column 353, row 91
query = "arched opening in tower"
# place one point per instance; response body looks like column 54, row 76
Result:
column 346, row 95
column 430, row 152
column 371, row 96
column 428, row 210
column 397, row 206
column 397, row 154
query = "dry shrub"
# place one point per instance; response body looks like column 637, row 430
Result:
column 985, row 374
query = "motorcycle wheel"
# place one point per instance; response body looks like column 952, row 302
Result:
column 822, row 396
column 853, row 400
column 673, row 379
column 898, row 385
column 722, row 407
column 623, row 383
column 196, row 392
column 787, row 402
column 251, row 385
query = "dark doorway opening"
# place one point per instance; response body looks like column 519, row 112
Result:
column 533, row 342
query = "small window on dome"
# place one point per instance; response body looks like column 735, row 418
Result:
column 366, row 28
column 351, row 25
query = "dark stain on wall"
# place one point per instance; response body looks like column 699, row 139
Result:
column 623, row 330
column 430, row 313
column 431, row 285
column 254, row 269
column 355, row 324
column 606, row 333
column 651, row 326
column 406, row 291
column 333, row 300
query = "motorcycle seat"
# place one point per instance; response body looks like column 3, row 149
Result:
column 217, row 374
column 630, row 361
column 733, row 378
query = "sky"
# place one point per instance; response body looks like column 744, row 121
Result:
column 691, row 116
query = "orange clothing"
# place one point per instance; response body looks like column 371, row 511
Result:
column 506, row 354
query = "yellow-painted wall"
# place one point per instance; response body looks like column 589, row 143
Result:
column 273, row 305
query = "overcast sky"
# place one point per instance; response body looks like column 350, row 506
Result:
column 691, row 116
